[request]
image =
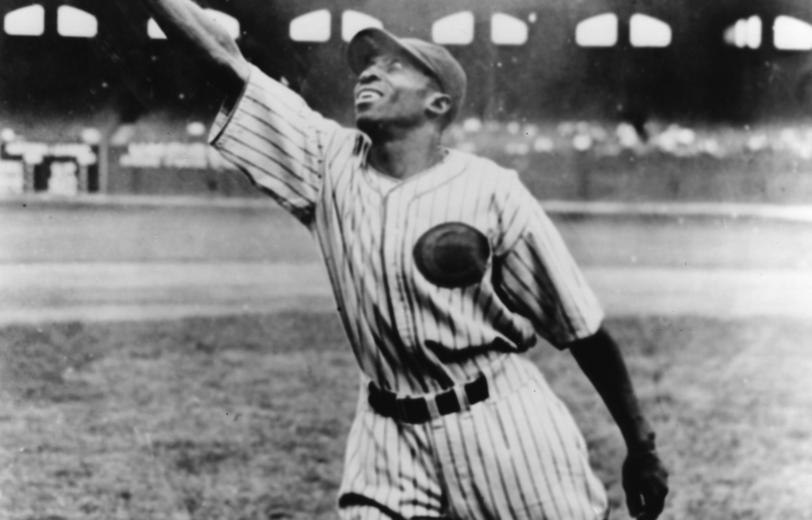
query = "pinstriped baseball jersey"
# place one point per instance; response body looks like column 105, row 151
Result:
column 409, row 334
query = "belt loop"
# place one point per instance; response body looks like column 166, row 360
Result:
column 491, row 376
column 434, row 410
column 462, row 397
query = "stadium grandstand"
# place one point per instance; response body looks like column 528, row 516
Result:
column 610, row 100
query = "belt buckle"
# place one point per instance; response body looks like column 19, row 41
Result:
column 411, row 409
column 401, row 412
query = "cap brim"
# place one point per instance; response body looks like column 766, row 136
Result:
column 373, row 41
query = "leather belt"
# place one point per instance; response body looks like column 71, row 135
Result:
column 423, row 409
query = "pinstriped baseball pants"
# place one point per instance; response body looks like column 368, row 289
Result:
column 517, row 455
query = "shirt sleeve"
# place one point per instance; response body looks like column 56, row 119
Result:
column 536, row 275
column 278, row 141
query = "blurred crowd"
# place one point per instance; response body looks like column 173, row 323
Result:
column 599, row 139
column 568, row 160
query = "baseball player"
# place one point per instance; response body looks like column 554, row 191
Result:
column 445, row 269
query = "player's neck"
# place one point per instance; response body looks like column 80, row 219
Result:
column 408, row 153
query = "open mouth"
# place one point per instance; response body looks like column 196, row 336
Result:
column 366, row 95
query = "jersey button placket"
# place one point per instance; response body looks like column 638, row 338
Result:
column 393, row 245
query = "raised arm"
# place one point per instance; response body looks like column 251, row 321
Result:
column 185, row 22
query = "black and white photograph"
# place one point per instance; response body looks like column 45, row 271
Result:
column 405, row 259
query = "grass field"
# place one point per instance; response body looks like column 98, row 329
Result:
column 246, row 417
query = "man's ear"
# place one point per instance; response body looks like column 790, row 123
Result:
column 438, row 104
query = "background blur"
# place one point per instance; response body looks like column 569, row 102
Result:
column 620, row 100
column 168, row 342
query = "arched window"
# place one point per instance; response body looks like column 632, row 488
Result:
column 647, row 31
column 154, row 31
column 508, row 30
column 354, row 21
column 792, row 34
column 745, row 33
column 230, row 24
column 76, row 23
column 311, row 27
column 597, row 31
column 454, row 29
column 25, row 21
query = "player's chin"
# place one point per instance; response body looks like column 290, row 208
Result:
column 367, row 122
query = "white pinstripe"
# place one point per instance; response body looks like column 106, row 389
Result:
column 413, row 337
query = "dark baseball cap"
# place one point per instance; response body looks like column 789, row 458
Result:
column 435, row 59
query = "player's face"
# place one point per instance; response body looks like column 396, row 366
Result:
column 392, row 91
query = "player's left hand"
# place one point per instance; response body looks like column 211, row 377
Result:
column 645, row 481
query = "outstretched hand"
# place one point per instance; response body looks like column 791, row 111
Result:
column 645, row 481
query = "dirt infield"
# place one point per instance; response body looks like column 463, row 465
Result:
column 146, row 259
column 146, row 230
column 42, row 293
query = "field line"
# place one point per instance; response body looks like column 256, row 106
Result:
column 733, row 210
column 32, row 293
